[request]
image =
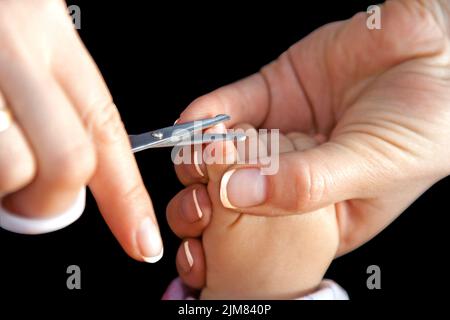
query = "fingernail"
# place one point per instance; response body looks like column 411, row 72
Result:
column 218, row 128
column 188, row 254
column 197, row 206
column 242, row 188
column 149, row 241
column 222, row 152
column 196, row 165
column 176, row 121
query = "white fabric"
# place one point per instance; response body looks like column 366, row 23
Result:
column 328, row 290
column 17, row 224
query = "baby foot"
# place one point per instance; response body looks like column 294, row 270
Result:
column 260, row 257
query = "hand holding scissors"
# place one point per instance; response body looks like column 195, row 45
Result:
column 176, row 135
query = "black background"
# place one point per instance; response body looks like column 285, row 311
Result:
column 156, row 59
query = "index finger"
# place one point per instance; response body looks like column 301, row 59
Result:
column 247, row 100
column 117, row 184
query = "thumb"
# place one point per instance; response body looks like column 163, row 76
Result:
column 307, row 180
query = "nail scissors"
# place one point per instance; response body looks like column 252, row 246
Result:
column 189, row 133
column 183, row 134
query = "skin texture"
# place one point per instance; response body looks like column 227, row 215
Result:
column 255, row 257
column 261, row 257
column 378, row 98
column 41, row 172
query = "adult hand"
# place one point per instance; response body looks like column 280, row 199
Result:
column 379, row 98
column 66, row 131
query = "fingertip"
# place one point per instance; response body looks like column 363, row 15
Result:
column 189, row 165
column 149, row 241
column 189, row 212
column 206, row 106
column 189, row 174
column 195, row 205
column 218, row 156
column 155, row 258
column 190, row 262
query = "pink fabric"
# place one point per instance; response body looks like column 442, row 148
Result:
column 328, row 290
column 178, row 291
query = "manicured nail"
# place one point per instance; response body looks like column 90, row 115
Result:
column 149, row 241
column 197, row 206
column 222, row 152
column 196, row 165
column 242, row 188
column 188, row 254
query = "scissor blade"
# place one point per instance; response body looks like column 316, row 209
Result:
column 200, row 124
column 170, row 136
column 203, row 138
column 143, row 141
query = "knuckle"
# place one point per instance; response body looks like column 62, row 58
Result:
column 106, row 123
column 309, row 187
column 73, row 167
column 135, row 193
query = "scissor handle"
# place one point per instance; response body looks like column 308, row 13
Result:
column 14, row 223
